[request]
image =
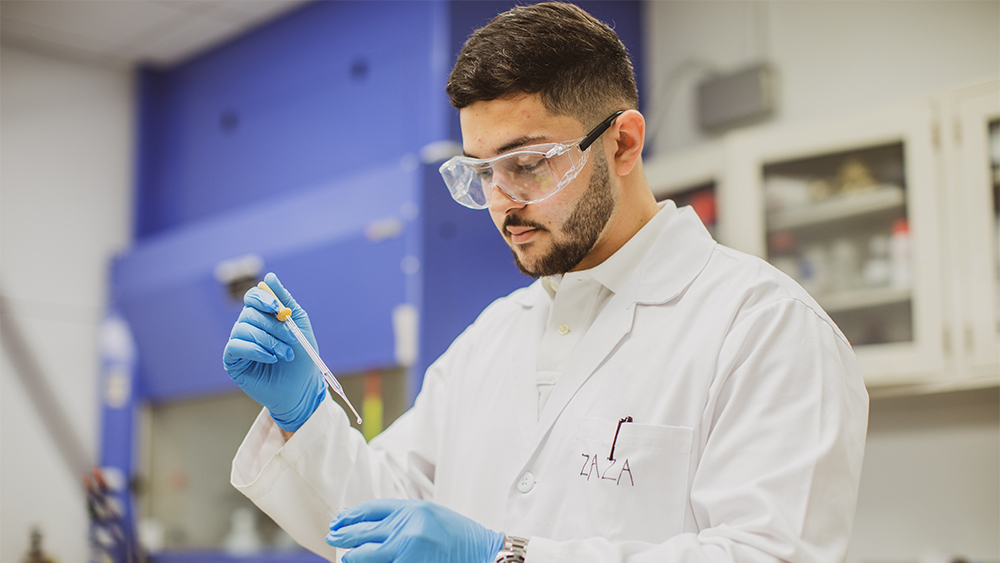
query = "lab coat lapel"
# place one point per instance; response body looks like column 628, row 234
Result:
column 537, row 304
column 614, row 322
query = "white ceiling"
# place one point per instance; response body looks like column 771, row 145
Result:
column 128, row 32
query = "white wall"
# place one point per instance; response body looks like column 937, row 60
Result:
column 65, row 207
column 833, row 57
column 931, row 479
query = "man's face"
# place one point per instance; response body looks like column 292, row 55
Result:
column 555, row 235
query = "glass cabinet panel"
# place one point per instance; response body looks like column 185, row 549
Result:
column 185, row 500
column 994, row 140
column 837, row 223
column 702, row 200
column 692, row 177
column 186, row 497
column 973, row 198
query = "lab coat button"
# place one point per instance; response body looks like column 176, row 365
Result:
column 563, row 330
column 526, row 483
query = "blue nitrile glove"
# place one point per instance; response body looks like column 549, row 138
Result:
column 411, row 531
column 267, row 362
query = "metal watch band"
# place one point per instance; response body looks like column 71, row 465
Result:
column 513, row 550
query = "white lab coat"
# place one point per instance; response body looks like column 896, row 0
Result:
column 748, row 425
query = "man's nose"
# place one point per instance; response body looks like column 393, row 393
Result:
column 500, row 202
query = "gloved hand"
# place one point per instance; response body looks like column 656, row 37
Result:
column 264, row 358
column 411, row 531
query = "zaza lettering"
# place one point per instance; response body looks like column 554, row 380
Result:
column 612, row 472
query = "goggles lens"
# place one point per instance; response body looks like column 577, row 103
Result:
column 526, row 175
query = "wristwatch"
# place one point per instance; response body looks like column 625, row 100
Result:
column 513, row 550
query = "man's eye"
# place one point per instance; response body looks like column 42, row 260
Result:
column 530, row 165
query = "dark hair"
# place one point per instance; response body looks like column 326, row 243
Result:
column 577, row 64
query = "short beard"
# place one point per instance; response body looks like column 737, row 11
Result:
column 580, row 231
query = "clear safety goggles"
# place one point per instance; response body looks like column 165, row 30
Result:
column 526, row 175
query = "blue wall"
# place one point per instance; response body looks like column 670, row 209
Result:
column 327, row 91
column 330, row 91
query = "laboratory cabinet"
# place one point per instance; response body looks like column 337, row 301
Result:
column 848, row 209
column 888, row 219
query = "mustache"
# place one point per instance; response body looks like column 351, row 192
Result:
column 517, row 221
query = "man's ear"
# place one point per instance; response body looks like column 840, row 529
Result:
column 627, row 135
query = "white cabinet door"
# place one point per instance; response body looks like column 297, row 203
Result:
column 848, row 208
column 972, row 142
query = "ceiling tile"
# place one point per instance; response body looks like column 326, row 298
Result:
column 29, row 34
column 180, row 42
column 107, row 20
column 117, row 31
column 251, row 14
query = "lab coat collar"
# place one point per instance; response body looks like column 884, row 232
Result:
column 678, row 253
column 615, row 272
column 675, row 259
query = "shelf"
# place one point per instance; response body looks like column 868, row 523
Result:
column 938, row 387
column 863, row 298
column 877, row 199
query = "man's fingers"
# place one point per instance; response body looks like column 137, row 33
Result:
column 368, row 511
column 369, row 553
column 283, row 295
column 262, row 300
column 355, row 535
column 256, row 345
column 265, row 322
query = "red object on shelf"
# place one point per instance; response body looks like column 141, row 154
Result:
column 703, row 204
column 900, row 227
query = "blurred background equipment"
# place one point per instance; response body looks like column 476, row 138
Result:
column 110, row 529
column 35, row 553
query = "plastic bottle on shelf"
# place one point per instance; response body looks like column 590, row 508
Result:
column 899, row 254
column 814, row 270
column 877, row 270
column 781, row 252
column 242, row 538
column 844, row 265
column 786, row 192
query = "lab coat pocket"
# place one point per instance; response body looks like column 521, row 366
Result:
column 633, row 477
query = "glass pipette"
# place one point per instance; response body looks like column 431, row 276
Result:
column 285, row 316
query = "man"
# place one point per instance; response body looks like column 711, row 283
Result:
column 653, row 396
